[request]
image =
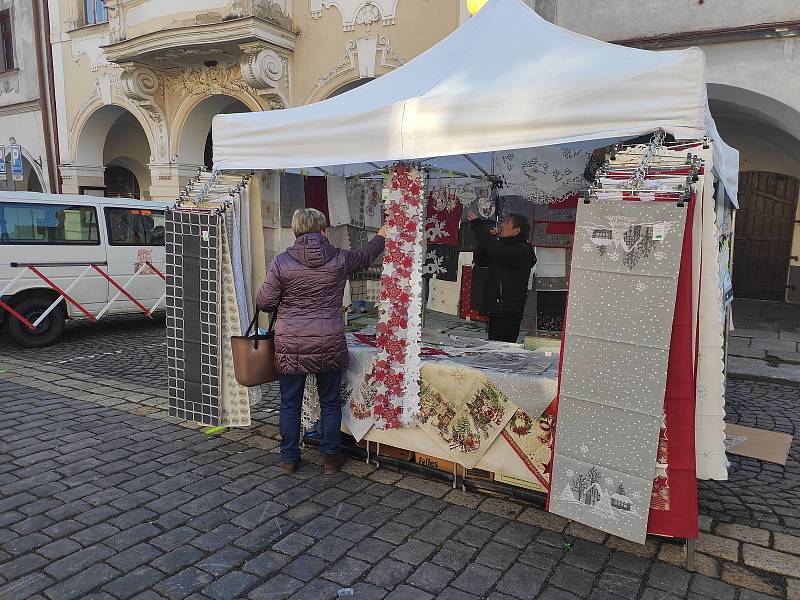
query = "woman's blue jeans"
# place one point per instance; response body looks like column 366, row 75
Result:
column 329, row 386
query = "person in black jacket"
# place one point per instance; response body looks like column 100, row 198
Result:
column 508, row 259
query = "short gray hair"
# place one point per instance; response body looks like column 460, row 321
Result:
column 308, row 220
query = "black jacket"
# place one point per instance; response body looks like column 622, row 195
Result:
column 503, row 268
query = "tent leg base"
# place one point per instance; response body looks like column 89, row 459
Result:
column 691, row 548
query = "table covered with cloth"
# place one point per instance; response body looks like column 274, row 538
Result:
column 483, row 405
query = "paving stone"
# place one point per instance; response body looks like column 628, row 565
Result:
column 294, row 544
column 183, row 583
column 406, row 592
column 346, row 570
column 497, row 556
column 393, row 532
column 477, row 579
column 619, row 583
column 712, row 588
column 211, row 519
column 218, row 537
column 282, row 584
column 178, row 559
column 573, row 580
column 330, row 548
column 266, row 563
column 437, row 531
column 59, row 548
column 367, row 591
column 389, row 573
column 371, row 549
column 522, row 581
column 545, row 520
column 79, row 561
column 787, row 543
column 26, row 543
column 647, row 550
column 452, row 593
column 474, row 536
column 413, row 552
column 743, row 533
column 262, row 537
column 454, row 555
column 25, row 587
column 318, row 589
column 320, row 527
column 223, row 561
column 131, row 584
column 131, row 537
column 305, row 567
column 718, row 546
column 501, row 508
column 457, row 515
column 629, row 563
column 579, row 530
column 668, row 578
column 19, row 567
column 770, row 560
column 85, row 581
column 793, row 589
column 516, row 534
column 748, row 580
column 232, row 585
column 543, row 556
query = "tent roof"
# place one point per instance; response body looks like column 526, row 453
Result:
column 506, row 79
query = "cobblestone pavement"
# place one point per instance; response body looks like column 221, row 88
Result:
column 102, row 495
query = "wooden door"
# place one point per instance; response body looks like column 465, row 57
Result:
column 764, row 228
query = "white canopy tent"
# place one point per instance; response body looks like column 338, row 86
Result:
column 506, row 79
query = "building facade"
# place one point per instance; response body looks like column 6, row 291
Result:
column 25, row 116
column 139, row 82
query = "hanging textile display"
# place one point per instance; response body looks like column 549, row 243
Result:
column 269, row 202
column 292, row 197
column 192, row 252
column 394, row 377
column 315, row 191
column 443, row 217
column 373, row 203
column 478, row 199
column 466, row 311
column 338, row 208
column 516, row 204
column 236, row 253
column 354, row 192
column 611, row 402
column 234, row 398
column 542, row 175
column 532, row 439
column 443, row 295
column 441, row 262
column 551, row 262
column 541, row 237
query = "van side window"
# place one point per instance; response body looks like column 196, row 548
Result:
column 135, row 226
column 58, row 224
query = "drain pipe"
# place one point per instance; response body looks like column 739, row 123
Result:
column 47, row 98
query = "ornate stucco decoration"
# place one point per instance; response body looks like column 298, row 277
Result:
column 358, row 12
column 204, row 81
column 362, row 56
column 141, row 85
column 266, row 71
column 91, row 46
column 114, row 12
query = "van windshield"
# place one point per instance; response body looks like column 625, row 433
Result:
column 32, row 223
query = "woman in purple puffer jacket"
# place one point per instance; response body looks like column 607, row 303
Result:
column 305, row 285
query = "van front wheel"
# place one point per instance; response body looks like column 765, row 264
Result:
column 48, row 330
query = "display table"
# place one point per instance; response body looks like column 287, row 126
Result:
column 484, row 405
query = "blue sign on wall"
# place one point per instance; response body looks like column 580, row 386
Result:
column 17, row 171
column 2, row 162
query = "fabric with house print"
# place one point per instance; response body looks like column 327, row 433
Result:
column 621, row 306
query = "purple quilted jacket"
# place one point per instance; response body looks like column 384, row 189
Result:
column 306, row 285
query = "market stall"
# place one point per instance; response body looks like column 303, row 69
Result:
column 616, row 424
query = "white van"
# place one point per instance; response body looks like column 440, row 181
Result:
column 52, row 243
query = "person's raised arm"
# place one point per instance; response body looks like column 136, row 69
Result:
column 357, row 260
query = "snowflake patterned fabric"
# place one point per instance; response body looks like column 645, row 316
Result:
column 395, row 374
column 542, row 175
column 616, row 348
column 442, row 217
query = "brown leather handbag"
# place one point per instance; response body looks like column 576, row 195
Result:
column 254, row 356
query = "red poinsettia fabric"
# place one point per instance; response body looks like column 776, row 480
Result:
column 442, row 217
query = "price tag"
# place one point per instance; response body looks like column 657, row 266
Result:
column 659, row 230
column 204, row 235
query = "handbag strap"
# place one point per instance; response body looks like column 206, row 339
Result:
column 254, row 323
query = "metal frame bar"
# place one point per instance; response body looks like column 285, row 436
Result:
column 122, row 290
column 64, row 294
